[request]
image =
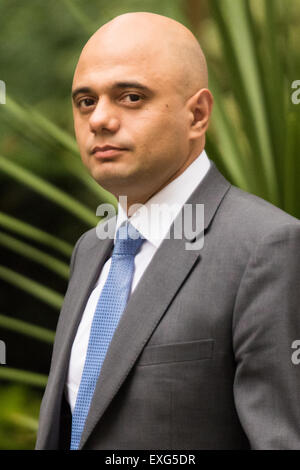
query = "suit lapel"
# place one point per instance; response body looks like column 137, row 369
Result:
column 164, row 276
column 73, row 307
column 82, row 286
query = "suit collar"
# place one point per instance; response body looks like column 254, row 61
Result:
column 210, row 193
column 154, row 219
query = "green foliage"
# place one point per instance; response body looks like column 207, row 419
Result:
column 18, row 417
column 254, row 137
column 255, row 132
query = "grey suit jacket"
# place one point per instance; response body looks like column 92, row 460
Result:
column 201, row 358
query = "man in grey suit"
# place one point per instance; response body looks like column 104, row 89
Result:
column 201, row 356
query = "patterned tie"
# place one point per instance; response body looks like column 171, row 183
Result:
column 110, row 306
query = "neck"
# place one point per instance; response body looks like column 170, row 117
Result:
column 132, row 199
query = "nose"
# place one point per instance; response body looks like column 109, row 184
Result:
column 104, row 118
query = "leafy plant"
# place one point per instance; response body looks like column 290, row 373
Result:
column 254, row 139
column 255, row 132
column 18, row 417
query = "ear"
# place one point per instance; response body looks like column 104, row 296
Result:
column 200, row 108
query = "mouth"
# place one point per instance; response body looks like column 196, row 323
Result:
column 106, row 151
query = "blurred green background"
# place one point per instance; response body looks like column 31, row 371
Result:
column 47, row 198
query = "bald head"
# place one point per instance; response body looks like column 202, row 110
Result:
column 151, row 40
column 140, row 97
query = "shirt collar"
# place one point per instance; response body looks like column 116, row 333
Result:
column 154, row 219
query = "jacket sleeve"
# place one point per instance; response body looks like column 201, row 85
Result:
column 266, row 323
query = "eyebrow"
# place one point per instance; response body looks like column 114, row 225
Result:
column 121, row 85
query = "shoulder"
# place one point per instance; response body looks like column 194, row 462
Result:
column 87, row 239
column 244, row 222
column 92, row 239
column 252, row 217
column 96, row 235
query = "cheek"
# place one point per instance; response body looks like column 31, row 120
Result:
column 153, row 128
column 159, row 138
column 80, row 129
column 81, row 139
column 78, row 133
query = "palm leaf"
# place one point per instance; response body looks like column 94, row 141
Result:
column 27, row 329
column 42, row 129
column 50, row 262
column 232, row 19
column 29, row 231
column 48, row 190
column 23, row 376
column 47, row 295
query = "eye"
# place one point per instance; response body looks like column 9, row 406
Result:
column 134, row 98
column 85, row 103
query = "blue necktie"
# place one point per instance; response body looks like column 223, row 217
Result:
column 110, row 306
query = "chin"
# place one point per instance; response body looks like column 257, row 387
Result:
column 113, row 180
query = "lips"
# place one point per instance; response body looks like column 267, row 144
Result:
column 105, row 148
column 106, row 151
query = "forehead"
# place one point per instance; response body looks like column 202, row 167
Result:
column 104, row 62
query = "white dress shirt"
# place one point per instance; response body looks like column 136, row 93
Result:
column 154, row 229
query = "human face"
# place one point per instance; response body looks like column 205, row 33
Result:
column 129, row 100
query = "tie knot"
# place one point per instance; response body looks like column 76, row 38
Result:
column 128, row 240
